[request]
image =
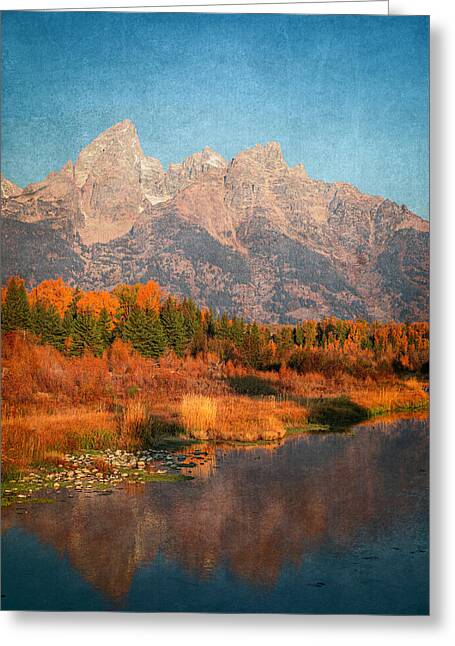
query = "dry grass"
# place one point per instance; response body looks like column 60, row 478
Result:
column 239, row 418
column 37, row 436
column 131, row 420
column 394, row 397
column 199, row 416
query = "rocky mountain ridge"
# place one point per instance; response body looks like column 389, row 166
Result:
column 251, row 236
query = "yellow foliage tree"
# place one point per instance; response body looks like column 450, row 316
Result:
column 53, row 292
column 94, row 302
column 149, row 297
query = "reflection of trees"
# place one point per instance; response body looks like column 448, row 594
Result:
column 251, row 515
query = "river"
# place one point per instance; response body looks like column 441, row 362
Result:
column 320, row 523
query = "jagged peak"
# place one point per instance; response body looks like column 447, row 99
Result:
column 212, row 158
column 269, row 148
column 122, row 131
column 202, row 158
column 122, row 126
column 268, row 155
column 117, row 146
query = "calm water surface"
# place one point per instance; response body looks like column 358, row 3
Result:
column 323, row 523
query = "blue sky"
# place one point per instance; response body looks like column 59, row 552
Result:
column 345, row 95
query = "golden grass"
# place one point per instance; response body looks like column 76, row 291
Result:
column 388, row 398
column 199, row 416
column 131, row 419
column 237, row 418
column 37, row 436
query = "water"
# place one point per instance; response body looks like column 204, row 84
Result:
column 323, row 523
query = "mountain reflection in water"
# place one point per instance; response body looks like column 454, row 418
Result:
column 319, row 523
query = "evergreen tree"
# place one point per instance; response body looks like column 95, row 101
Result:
column 199, row 342
column 209, row 325
column 86, row 335
column 16, row 310
column 70, row 315
column 174, row 326
column 223, row 330
column 47, row 325
column 251, row 347
column 157, row 343
column 192, row 318
column 237, row 331
column 145, row 333
column 105, row 328
column 284, row 340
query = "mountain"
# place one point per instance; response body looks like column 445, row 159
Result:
column 251, row 236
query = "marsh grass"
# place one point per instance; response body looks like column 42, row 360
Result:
column 402, row 396
column 239, row 418
column 199, row 416
column 44, row 436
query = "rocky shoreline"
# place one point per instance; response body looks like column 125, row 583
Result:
column 103, row 471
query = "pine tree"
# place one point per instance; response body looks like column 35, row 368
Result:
column 157, row 342
column 209, row 324
column 16, row 310
column 237, row 331
column 47, row 325
column 70, row 315
column 192, row 318
column 222, row 327
column 251, row 347
column 145, row 333
column 174, row 326
column 86, row 335
column 284, row 340
column 105, row 328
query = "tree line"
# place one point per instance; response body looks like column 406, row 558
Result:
column 76, row 321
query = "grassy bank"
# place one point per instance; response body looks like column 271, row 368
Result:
column 53, row 405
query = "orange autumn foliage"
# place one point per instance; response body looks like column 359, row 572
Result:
column 94, row 302
column 53, row 292
column 149, row 297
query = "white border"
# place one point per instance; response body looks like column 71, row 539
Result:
column 379, row 7
column 223, row 630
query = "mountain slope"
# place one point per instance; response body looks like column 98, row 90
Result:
column 251, row 236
